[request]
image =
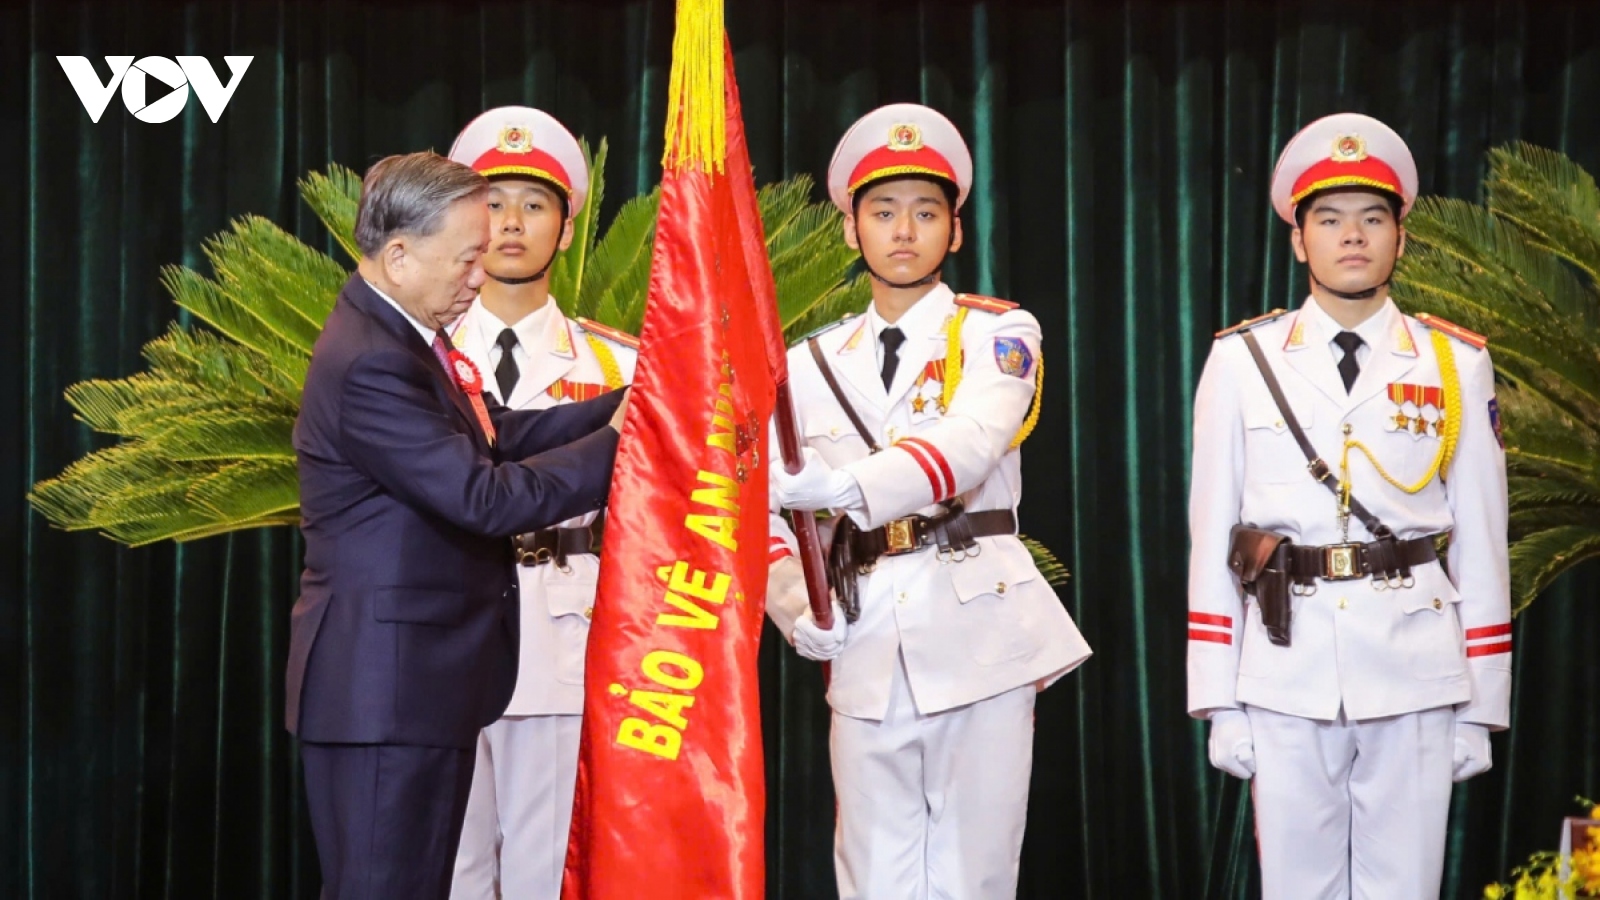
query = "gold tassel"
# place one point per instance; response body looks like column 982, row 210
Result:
column 696, row 108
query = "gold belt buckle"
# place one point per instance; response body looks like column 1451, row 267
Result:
column 901, row 536
column 1339, row 562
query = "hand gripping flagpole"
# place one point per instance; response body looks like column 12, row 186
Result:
column 805, row 524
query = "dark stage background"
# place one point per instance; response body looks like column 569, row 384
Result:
column 1123, row 151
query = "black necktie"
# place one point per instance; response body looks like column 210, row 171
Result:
column 505, row 374
column 1348, row 367
column 892, row 339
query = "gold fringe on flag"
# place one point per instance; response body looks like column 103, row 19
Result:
column 696, row 123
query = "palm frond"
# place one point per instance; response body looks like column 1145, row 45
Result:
column 1539, row 558
column 846, row 299
column 334, row 196
column 618, row 274
column 1522, row 270
column 1054, row 570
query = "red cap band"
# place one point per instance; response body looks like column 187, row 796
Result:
column 1370, row 172
column 534, row 163
column 887, row 161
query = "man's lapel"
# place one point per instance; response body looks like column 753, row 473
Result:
column 855, row 362
column 367, row 300
column 1306, row 352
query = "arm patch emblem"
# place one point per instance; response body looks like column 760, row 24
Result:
column 1013, row 356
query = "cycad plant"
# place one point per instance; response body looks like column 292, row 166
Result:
column 1524, row 270
column 205, row 432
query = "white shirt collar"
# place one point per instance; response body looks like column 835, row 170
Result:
column 428, row 334
column 919, row 321
column 1374, row 331
column 530, row 330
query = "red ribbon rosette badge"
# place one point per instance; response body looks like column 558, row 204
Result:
column 471, row 383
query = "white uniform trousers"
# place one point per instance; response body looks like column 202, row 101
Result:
column 1352, row 809
column 514, row 840
column 932, row 807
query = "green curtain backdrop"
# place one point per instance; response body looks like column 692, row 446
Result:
column 1122, row 151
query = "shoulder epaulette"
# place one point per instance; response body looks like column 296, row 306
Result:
column 824, row 329
column 613, row 335
column 1471, row 338
column 1248, row 324
column 987, row 304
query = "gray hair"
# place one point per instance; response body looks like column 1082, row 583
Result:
column 410, row 195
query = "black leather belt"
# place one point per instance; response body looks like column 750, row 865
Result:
column 1390, row 561
column 535, row 548
column 915, row 533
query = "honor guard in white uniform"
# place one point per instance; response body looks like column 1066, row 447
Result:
column 514, row 842
column 911, row 415
column 1345, row 661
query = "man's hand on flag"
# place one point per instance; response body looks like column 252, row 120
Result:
column 818, row 486
column 622, row 410
column 815, row 642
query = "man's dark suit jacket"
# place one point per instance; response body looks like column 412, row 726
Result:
column 406, row 629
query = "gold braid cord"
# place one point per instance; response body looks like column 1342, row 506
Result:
column 608, row 361
column 1448, row 435
column 952, row 376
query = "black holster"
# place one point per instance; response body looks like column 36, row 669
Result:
column 1260, row 559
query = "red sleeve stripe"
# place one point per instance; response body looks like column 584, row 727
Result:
column 944, row 466
column 1488, row 649
column 920, row 454
column 1478, row 634
column 1216, row 637
column 1197, row 618
column 778, row 552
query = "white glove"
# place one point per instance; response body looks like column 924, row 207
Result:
column 813, row 641
column 1232, row 746
column 1472, row 751
column 818, row 486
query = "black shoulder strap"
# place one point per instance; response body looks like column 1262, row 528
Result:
column 1317, row 466
column 838, row 394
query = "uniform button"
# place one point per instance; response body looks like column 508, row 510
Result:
column 833, row 432
column 902, row 598
column 1000, row 588
column 891, row 433
column 1278, row 424
column 1436, row 603
column 1342, row 603
column 588, row 613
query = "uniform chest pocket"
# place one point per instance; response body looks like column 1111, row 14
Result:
column 1271, row 453
column 835, row 438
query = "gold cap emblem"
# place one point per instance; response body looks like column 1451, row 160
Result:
column 515, row 139
column 1349, row 148
column 904, row 137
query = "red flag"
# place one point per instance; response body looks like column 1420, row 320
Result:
column 670, row 795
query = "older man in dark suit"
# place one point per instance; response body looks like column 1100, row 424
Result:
column 404, row 640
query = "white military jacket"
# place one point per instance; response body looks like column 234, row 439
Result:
column 561, row 367
column 1444, row 641
column 970, row 629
